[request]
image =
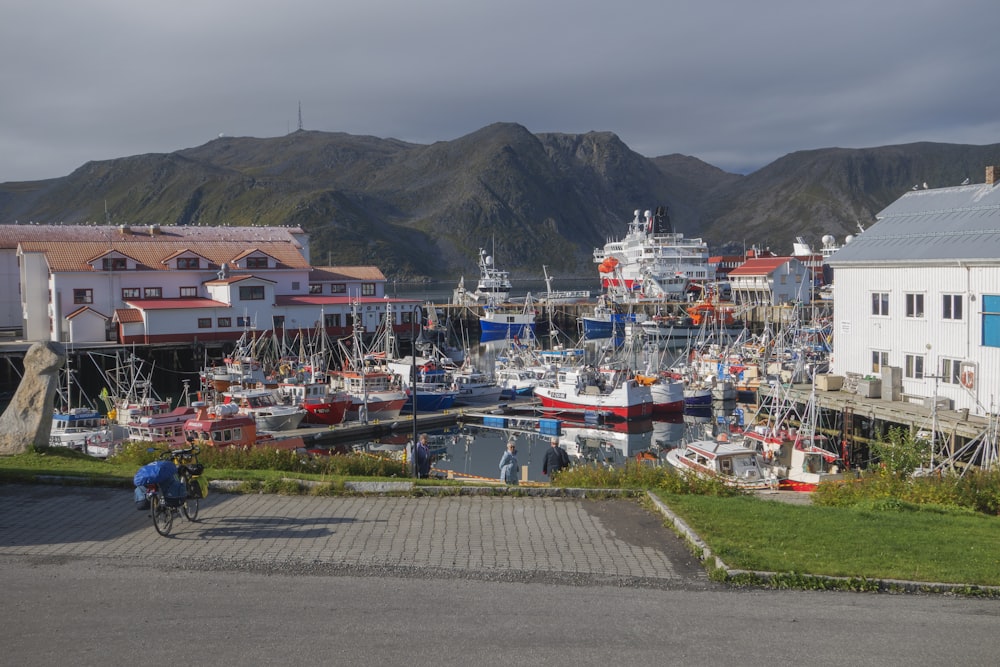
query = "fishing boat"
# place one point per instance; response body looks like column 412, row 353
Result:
column 76, row 423
column 474, row 386
column 667, row 393
column 732, row 463
column 554, row 297
column 586, row 388
column 652, row 261
column 493, row 285
column 223, row 425
column 322, row 406
column 261, row 404
column 500, row 321
column 82, row 429
column 165, row 426
column 432, row 391
column 376, row 392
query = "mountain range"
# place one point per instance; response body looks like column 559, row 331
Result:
column 423, row 211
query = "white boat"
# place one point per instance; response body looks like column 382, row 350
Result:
column 77, row 424
column 493, row 286
column 83, row 429
column 475, row 387
column 732, row 463
column 263, row 406
column 652, row 261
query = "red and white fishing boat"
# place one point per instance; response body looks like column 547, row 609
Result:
column 375, row 391
column 322, row 404
column 668, row 393
column 587, row 388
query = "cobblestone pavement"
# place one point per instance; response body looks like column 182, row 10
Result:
column 560, row 540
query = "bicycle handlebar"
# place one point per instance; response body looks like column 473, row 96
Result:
column 185, row 454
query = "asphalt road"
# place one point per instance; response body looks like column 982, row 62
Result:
column 374, row 581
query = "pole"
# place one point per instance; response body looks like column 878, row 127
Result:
column 413, row 384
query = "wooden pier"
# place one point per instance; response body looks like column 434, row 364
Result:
column 862, row 419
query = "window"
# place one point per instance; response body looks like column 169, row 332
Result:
column 295, row 286
column 152, row 293
column 951, row 371
column 204, row 322
column 243, row 322
column 252, row 293
column 338, row 288
column 130, row 293
column 113, row 264
column 278, row 322
column 367, row 289
column 188, row 263
column 225, row 322
column 256, row 262
column 83, row 296
column 880, row 303
column 331, row 320
column 991, row 320
column 914, row 367
column 880, row 358
column 914, row 305
column 189, row 292
column 951, row 307
column 315, row 288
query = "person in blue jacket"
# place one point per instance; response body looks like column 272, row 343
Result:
column 508, row 464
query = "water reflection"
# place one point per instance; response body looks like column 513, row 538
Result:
column 475, row 451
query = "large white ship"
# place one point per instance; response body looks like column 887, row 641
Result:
column 652, row 261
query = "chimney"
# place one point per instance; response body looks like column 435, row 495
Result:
column 991, row 174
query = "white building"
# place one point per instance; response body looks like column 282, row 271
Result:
column 920, row 290
column 770, row 281
column 81, row 284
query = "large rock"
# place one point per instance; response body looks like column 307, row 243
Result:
column 27, row 421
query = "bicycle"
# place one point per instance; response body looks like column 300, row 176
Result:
column 188, row 471
column 173, row 487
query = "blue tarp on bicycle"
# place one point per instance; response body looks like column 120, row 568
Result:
column 157, row 472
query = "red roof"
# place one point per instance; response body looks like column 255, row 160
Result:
column 763, row 266
column 327, row 300
column 167, row 304
column 128, row 315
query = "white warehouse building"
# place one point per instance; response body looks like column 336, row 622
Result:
column 920, row 291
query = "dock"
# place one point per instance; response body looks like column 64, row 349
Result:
column 862, row 419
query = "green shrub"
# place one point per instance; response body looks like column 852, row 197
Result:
column 881, row 488
column 635, row 475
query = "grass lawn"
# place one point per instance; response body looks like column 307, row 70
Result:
column 922, row 545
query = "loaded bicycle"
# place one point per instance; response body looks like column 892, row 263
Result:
column 171, row 485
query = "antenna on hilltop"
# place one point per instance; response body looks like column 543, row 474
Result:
column 300, row 115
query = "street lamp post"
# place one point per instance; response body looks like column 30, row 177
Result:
column 414, row 319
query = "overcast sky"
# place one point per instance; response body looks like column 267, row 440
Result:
column 736, row 83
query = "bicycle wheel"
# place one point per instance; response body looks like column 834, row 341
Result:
column 163, row 516
column 190, row 508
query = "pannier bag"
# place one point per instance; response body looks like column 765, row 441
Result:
column 157, row 472
column 141, row 501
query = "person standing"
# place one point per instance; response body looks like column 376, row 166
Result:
column 555, row 459
column 508, row 464
column 422, row 455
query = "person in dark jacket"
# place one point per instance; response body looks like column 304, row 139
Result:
column 423, row 457
column 555, row 459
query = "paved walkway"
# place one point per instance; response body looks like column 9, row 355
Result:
column 517, row 538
